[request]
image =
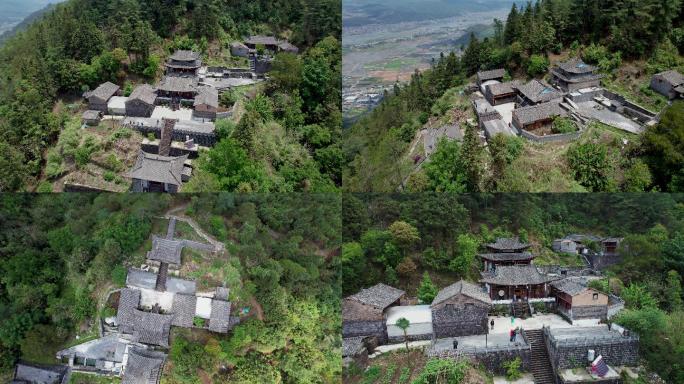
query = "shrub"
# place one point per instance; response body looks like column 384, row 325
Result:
column 151, row 137
column 199, row 322
column 442, row 371
column 371, row 374
column 563, row 125
column 537, row 65
column 513, row 369
column 44, row 187
column 119, row 275
column 108, row 176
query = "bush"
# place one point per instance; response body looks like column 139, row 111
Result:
column 423, row 118
column 113, row 163
column 563, row 125
column 44, row 187
column 537, row 65
column 199, row 322
column 513, row 369
column 228, row 98
column 442, row 371
column 591, row 166
column 108, row 176
column 151, row 136
column 119, row 275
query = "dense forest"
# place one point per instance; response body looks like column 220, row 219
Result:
column 628, row 41
column 287, row 139
column 60, row 254
column 424, row 242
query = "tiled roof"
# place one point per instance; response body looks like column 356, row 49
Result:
column 162, row 169
column 503, row 243
column 143, row 366
column 538, row 92
column 178, row 84
column 149, row 328
column 507, row 256
column 503, row 88
column 534, row 113
column 576, row 65
column 380, row 296
column 352, row 346
column 144, row 93
column 183, row 310
column 165, row 250
column 220, row 316
column 462, row 287
column 104, row 91
column 129, row 300
column 39, row 374
column 208, row 96
column 91, row 115
column 569, row 286
column 263, row 40
column 515, row 275
column 184, row 56
column 490, row 75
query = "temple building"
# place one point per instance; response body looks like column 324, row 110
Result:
column 156, row 173
column 574, row 74
column 183, row 63
column 517, row 282
column 506, row 252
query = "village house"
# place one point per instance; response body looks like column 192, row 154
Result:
column 516, row 282
column 459, row 310
column 575, row 243
column 206, row 103
column 143, row 366
column 354, row 350
column 501, row 93
column 574, row 74
column 537, row 118
column 496, row 75
column 490, row 120
column 183, row 63
column 363, row 313
column 91, row 117
column 669, row 84
column 177, row 89
column 575, row 301
column 98, row 98
column 270, row 43
column 535, row 92
column 506, row 251
column 25, row 373
column 156, row 173
column 420, row 322
column 240, row 50
column 141, row 101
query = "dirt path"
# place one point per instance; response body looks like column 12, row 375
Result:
column 257, row 308
column 179, row 216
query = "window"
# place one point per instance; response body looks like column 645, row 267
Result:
column 595, row 296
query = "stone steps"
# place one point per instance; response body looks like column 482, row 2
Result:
column 540, row 364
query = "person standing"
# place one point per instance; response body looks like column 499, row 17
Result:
column 511, row 334
column 491, row 323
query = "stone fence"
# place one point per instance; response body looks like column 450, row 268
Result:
column 557, row 138
column 492, row 358
column 572, row 353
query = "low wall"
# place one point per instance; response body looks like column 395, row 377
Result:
column 73, row 187
column 568, row 354
column 558, row 138
column 631, row 109
column 365, row 328
column 491, row 358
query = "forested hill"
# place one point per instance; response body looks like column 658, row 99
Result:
column 83, row 43
column 628, row 41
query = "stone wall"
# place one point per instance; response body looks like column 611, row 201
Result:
column 589, row 312
column 567, row 354
column 400, row 339
column 491, row 358
column 558, row 138
column 631, row 109
column 365, row 328
column 457, row 321
column 604, row 261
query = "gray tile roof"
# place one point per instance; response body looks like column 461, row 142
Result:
column 577, row 66
column 578, row 237
column 491, row 75
column 104, row 91
column 507, row 256
column 149, row 328
column 91, row 115
column 165, row 250
column 222, row 293
column 612, row 240
column 673, row 77
column 144, row 93
column 143, row 366
column 504, row 243
column 569, row 286
column 219, row 320
column 380, row 296
column 352, row 346
column 208, row 96
column 162, row 169
column 465, row 288
column 534, row 113
column 538, row 92
column 515, row 275
column 263, row 40
column 184, row 56
column 40, row 374
column 178, row 84
column 129, row 300
column 183, row 310
column 503, row 88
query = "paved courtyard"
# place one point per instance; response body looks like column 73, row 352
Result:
column 601, row 113
column 506, row 112
column 161, row 112
column 503, row 324
column 478, row 341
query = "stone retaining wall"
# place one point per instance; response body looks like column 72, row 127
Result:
column 569, row 354
column 491, row 358
column 365, row 328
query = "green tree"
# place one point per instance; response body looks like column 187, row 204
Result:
column 591, row 166
column 446, row 169
column 537, row 65
column 404, row 324
column 466, row 251
column 404, row 234
column 427, row 289
column 673, row 291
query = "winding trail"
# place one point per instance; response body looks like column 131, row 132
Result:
column 176, row 213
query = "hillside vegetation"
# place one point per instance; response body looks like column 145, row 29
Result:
column 628, row 41
column 287, row 138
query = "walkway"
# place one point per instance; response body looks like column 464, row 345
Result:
column 217, row 245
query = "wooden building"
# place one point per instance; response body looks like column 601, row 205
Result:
column 516, row 282
column 536, row 92
column 177, row 88
column 156, row 173
column 494, row 74
column 501, row 93
column 539, row 117
column 506, row 251
column 460, row 309
column 183, row 63
column 206, row 103
column 363, row 314
column 575, row 74
column 270, row 43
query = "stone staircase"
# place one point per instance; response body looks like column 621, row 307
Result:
column 161, row 277
column 521, row 309
column 166, row 136
column 540, row 363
